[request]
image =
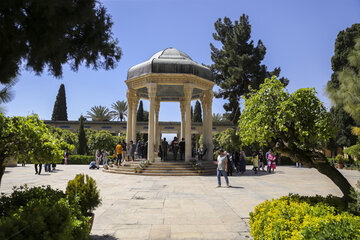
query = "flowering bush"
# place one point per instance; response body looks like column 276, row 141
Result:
column 294, row 217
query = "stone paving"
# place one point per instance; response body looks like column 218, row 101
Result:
column 154, row 207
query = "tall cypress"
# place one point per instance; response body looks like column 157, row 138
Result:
column 197, row 112
column 140, row 113
column 82, row 138
column 60, row 110
column 192, row 113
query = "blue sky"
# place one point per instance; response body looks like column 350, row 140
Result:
column 299, row 37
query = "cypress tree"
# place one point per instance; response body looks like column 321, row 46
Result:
column 82, row 138
column 140, row 113
column 197, row 112
column 192, row 113
column 60, row 110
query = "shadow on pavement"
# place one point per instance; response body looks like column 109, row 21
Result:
column 101, row 237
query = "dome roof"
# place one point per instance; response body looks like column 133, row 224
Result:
column 170, row 60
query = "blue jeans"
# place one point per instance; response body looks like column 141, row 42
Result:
column 223, row 172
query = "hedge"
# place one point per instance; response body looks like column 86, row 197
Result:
column 295, row 217
column 83, row 159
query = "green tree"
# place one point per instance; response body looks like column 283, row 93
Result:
column 344, row 123
column 227, row 139
column 296, row 125
column 60, row 109
column 217, row 117
column 99, row 113
column 197, row 112
column 82, row 149
column 64, row 135
column 140, row 117
column 102, row 140
column 347, row 91
column 192, row 113
column 119, row 110
column 47, row 34
column 28, row 138
column 237, row 65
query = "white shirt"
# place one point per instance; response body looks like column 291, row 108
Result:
column 221, row 161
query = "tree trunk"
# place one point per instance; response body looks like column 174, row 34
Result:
column 320, row 162
column 336, row 177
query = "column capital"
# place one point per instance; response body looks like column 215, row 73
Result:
column 157, row 106
column 182, row 106
column 188, row 90
column 151, row 88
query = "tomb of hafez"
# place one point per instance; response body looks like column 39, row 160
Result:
column 170, row 76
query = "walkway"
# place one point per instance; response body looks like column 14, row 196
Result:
column 148, row 207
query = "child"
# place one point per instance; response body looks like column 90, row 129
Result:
column 255, row 160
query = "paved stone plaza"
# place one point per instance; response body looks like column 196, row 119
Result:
column 148, row 207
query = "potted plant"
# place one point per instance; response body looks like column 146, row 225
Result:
column 340, row 159
column 83, row 189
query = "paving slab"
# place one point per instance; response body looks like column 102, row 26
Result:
column 182, row 207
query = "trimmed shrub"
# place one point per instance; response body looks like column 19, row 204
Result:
column 85, row 192
column 295, row 217
column 80, row 159
column 41, row 213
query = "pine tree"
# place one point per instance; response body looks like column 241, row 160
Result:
column 140, row 117
column 237, row 65
column 197, row 112
column 82, row 150
column 60, row 110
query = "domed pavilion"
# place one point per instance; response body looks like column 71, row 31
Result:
column 170, row 76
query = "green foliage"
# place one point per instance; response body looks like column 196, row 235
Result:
column 82, row 149
column 298, row 118
column 81, row 159
column 354, row 206
column 102, row 140
column 84, row 188
column 140, row 117
column 6, row 93
column 354, row 152
column 60, row 109
column 340, row 159
column 45, row 35
column 99, row 113
column 227, row 139
column 29, row 139
column 67, row 138
column 237, row 65
column 41, row 213
column 294, row 217
column 347, row 91
column 119, row 110
column 197, row 112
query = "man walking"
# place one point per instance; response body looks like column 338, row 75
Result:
column 164, row 149
column 119, row 150
column 222, row 167
column 182, row 149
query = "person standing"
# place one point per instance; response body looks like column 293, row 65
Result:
column 255, row 160
column 105, row 158
column 242, row 162
column 164, row 149
column 262, row 160
column 36, row 168
column 138, row 150
column 132, row 148
column 175, row 147
column 270, row 158
column 119, row 151
column 182, row 149
column 66, row 156
column 97, row 158
column 222, row 167
column 123, row 151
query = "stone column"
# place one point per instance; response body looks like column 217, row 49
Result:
column 129, row 96
column 206, row 101
column 188, row 89
column 182, row 109
column 135, row 102
column 157, row 129
column 151, row 87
